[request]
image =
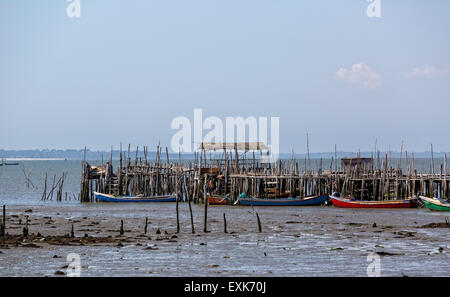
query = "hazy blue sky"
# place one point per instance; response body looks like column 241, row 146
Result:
column 125, row 69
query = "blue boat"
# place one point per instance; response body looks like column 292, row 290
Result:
column 296, row 201
column 111, row 198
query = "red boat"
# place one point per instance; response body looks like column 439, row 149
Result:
column 350, row 203
column 218, row 200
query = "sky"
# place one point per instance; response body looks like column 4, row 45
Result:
column 123, row 70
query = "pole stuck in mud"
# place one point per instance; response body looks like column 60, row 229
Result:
column 3, row 224
column 178, row 214
column 259, row 223
column 145, row 226
column 25, row 229
column 205, row 227
column 224, row 224
column 188, row 198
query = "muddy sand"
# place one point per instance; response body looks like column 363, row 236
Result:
column 298, row 241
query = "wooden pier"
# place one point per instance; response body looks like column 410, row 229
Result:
column 234, row 172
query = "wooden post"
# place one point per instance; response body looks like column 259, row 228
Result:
column 259, row 223
column 188, row 197
column 145, row 227
column 25, row 229
column 432, row 160
column 178, row 214
column 3, row 225
column 121, row 227
column 308, row 167
column 205, row 222
column 44, row 194
column 224, row 224
column 445, row 177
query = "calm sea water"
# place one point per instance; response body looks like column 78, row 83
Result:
column 14, row 189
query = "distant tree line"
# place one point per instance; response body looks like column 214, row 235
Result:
column 73, row 154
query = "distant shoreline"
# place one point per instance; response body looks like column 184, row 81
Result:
column 71, row 154
column 34, row 159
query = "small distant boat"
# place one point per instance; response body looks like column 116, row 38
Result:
column 4, row 163
column 218, row 200
column 296, row 201
column 435, row 203
column 350, row 203
column 112, row 198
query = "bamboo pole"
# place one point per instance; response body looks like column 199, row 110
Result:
column 224, row 224
column 259, row 223
column 3, row 225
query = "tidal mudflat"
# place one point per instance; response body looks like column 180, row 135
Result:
column 298, row 241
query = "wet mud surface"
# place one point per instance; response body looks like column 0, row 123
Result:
column 298, row 241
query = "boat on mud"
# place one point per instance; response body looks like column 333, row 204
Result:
column 218, row 199
column 295, row 201
column 435, row 203
column 112, row 198
column 352, row 203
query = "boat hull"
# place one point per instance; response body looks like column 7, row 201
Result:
column 347, row 203
column 435, row 204
column 218, row 200
column 110, row 198
column 308, row 201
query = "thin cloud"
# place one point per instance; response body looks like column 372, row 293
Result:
column 360, row 74
column 428, row 71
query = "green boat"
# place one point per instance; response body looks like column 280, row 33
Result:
column 435, row 203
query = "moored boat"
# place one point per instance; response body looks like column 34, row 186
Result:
column 218, row 200
column 351, row 203
column 112, row 198
column 296, row 201
column 435, row 203
column 5, row 163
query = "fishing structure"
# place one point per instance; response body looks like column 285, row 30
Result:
column 224, row 172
